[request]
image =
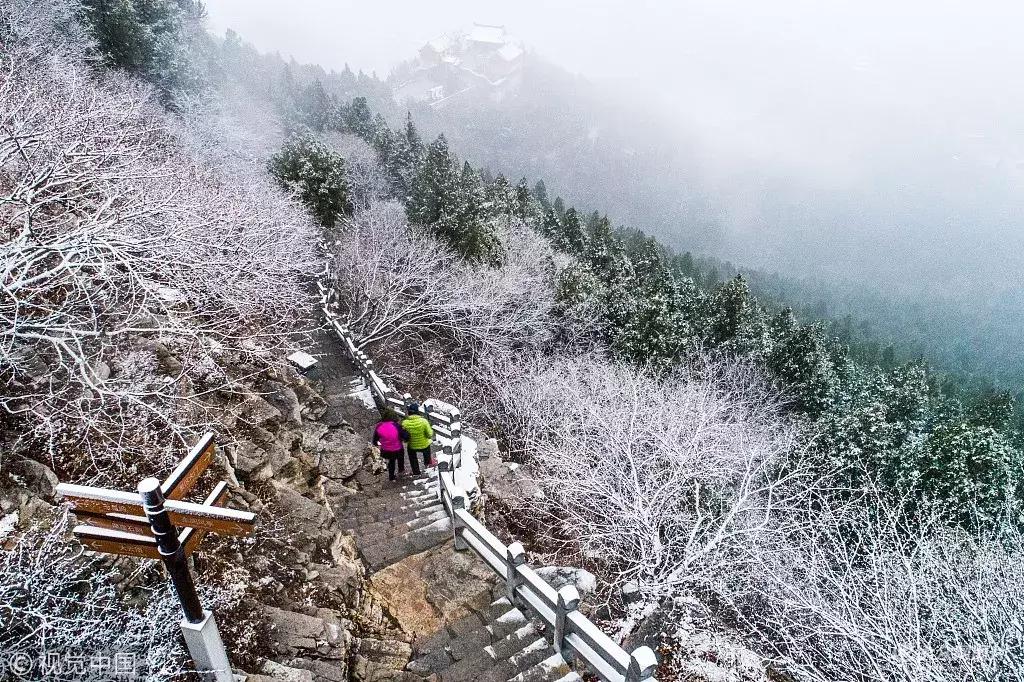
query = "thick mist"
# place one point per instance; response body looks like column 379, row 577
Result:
column 874, row 141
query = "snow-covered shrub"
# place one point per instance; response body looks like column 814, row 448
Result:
column 860, row 592
column 661, row 480
column 402, row 292
column 56, row 601
column 117, row 250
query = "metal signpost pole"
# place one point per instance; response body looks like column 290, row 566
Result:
column 198, row 627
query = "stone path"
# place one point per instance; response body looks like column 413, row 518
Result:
column 447, row 603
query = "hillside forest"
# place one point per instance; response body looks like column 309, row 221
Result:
column 803, row 477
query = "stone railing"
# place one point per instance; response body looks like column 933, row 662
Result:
column 572, row 633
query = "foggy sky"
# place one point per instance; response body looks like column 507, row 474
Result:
column 887, row 136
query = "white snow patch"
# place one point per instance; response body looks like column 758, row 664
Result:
column 467, row 476
column 638, row 613
column 8, row 524
column 302, row 360
column 170, row 294
column 553, row 662
column 513, row 616
column 364, row 395
column 716, row 659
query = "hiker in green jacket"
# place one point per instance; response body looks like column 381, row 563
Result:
column 419, row 436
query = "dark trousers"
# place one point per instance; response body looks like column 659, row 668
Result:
column 413, row 462
column 414, row 456
column 395, row 460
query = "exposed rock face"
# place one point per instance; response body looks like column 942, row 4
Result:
column 425, row 591
column 296, row 634
column 342, row 452
column 37, row 477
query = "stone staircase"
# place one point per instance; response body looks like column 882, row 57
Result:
column 495, row 644
column 479, row 637
column 392, row 520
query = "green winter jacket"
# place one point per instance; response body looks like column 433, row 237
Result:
column 420, row 433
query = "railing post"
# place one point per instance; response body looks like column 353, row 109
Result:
column 515, row 557
column 642, row 664
column 444, row 465
column 458, row 502
column 568, row 601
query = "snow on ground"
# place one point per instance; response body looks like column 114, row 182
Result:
column 467, row 476
column 360, row 391
column 8, row 524
column 557, row 576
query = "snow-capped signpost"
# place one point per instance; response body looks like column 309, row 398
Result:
column 144, row 525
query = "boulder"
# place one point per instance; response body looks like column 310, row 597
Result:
column 426, row 591
column 345, row 578
column 296, row 634
column 37, row 477
column 559, row 576
column 256, row 412
column 313, row 405
column 251, row 461
column 341, row 453
column 284, row 398
column 282, row 673
column 312, row 433
column 300, row 514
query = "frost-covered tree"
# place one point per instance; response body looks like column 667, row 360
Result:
column 451, row 204
column 56, row 600
column 119, row 250
column 909, row 599
column 316, row 174
column 661, row 480
column 403, row 291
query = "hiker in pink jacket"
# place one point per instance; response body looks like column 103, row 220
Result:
column 388, row 435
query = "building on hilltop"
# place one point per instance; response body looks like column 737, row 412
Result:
column 484, row 59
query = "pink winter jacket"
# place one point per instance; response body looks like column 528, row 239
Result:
column 388, row 436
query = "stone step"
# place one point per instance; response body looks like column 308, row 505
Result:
column 535, row 652
column 398, row 504
column 506, row 624
column 474, row 626
column 398, row 524
column 495, row 610
column 388, row 496
column 353, row 519
column 388, row 550
column 512, row 643
column 550, row 669
column 466, row 639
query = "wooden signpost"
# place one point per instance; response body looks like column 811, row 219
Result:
column 144, row 525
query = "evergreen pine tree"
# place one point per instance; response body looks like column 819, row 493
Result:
column 147, row 38
column 540, row 193
column 316, row 174
column 570, row 236
column 436, row 183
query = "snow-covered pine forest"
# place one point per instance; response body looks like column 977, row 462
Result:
column 164, row 194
